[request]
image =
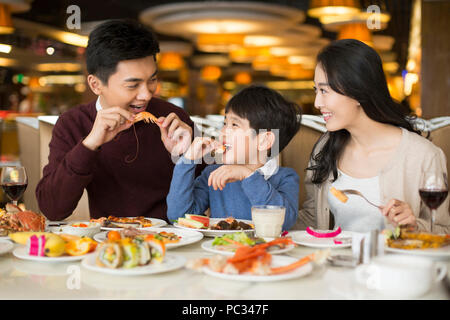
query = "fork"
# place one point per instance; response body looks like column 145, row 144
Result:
column 356, row 192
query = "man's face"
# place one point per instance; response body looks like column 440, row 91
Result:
column 132, row 85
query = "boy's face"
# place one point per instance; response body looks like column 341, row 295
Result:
column 132, row 85
column 241, row 140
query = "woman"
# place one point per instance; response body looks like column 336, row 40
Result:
column 371, row 146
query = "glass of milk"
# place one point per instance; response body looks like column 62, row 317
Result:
column 268, row 220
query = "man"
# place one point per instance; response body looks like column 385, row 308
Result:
column 126, row 170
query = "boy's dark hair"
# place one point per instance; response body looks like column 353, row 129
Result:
column 265, row 108
column 117, row 40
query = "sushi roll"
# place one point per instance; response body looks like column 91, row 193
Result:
column 143, row 251
column 130, row 253
column 157, row 247
column 110, row 255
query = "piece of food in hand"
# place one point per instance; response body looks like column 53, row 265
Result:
column 190, row 223
column 338, row 194
column 199, row 218
column 146, row 116
column 157, row 247
column 80, row 247
column 110, row 255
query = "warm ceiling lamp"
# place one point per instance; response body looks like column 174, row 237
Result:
column 264, row 63
column 168, row 61
column 210, row 42
column 319, row 8
column 247, row 55
column 58, row 67
column 6, row 25
column 358, row 31
column 210, row 73
column 243, row 78
column 196, row 17
column 291, row 72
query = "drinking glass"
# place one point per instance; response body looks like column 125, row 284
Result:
column 14, row 182
column 433, row 190
column 268, row 220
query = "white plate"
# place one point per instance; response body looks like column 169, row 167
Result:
column 277, row 261
column 207, row 245
column 156, row 223
column 5, row 246
column 305, row 239
column 431, row 253
column 170, row 262
column 21, row 253
column 216, row 233
column 187, row 236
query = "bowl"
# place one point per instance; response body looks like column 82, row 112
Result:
column 82, row 228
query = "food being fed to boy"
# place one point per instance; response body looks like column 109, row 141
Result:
column 407, row 239
column 338, row 194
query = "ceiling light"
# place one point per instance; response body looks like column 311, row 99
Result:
column 50, row 51
column 5, row 48
column 188, row 18
column 319, row 8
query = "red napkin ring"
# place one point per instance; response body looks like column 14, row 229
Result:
column 324, row 234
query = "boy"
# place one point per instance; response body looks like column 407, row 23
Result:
column 249, row 175
column 126, row 171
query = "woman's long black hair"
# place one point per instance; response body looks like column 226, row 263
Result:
column 355, row 70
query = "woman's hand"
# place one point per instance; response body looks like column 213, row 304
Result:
column 228, row 173
column 199, row 147
column 399, row 213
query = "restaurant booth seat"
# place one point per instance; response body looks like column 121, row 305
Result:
column 297, row 153
column 440, row 137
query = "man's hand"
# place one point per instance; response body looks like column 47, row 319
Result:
column 199, row 147
column 399, row 213
column 108, row 123
column 229, row 173
column 175, row 134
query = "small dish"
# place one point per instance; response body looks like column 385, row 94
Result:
column 82, row 228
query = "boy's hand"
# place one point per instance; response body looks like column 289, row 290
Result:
column 175, row 134
column 108, row 123
column 228, row 173
column 399, row 213
column 199, row 147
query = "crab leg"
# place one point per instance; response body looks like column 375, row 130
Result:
column 293, row 266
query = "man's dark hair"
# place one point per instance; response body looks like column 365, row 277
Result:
column 266, row 109
column 118, row 40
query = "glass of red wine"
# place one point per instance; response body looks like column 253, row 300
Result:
column 14, row 182
column 433, row 190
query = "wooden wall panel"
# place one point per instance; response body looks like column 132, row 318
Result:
column 435, row 66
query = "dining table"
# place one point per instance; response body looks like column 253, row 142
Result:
column 29, row 280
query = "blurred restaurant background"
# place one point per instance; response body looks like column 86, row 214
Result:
column 209, row 50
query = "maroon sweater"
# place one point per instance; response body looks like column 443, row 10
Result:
column 114, row 186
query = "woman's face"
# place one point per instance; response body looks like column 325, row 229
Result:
column 339, row 111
